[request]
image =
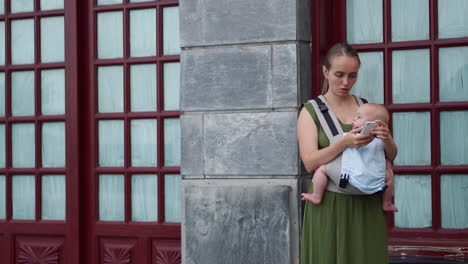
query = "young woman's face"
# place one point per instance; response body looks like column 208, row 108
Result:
column 342, row 74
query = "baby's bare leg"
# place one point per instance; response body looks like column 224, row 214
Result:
column 320, row 183
column 387, row 203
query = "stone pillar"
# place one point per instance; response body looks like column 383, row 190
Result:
column 245, row 71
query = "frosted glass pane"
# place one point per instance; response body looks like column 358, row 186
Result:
column 51, row 4
column 53, row 197
column 23, row 145
column 412, row 134
column 108, row 2
column 53, row 144
column 410, row 20
column 172, row 201
column 2, row 7
column 2, row 43
column 110, row 89
column 2, row 197
column 172, row 86
column 24, row 197
column 53, row 92
column 52, row 39
column 2, row 94
column 454, row 201
column 172, row 142
column 143, row 32
column 18, row 6
column 136, row 1
column 411, row 76
column 364, row 21
column 453, row 21
column 110, row 35
column 453, row 140
column 144, row 142
column 22, row 41
column 143, row 87
column 2, row 146
column 111, row 198
column 370, row 78
column 144, row 198
column 413, row 199
column 171, row 30
column 453, row 74
column 22, row 93
column 111, row 143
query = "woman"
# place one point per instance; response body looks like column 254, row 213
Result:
column 343, row 229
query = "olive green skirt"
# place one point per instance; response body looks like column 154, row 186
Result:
column 344, row 229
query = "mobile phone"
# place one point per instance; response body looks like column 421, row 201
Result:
column 368, row 126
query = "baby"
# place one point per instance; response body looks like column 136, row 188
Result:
column 365, row 168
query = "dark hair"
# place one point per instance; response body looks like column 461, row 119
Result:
column 339, row 49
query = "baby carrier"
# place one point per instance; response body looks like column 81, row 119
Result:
column 332, row 128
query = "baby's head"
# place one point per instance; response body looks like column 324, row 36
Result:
column 370, row 112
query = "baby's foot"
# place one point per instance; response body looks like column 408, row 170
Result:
column 389, row 207
column 314, row 198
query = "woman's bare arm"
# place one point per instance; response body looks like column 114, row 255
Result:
column 307, row 135
column 383, row 132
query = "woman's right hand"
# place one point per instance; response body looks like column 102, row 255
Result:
column 355, row 140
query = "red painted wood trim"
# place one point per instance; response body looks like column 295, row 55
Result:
column 136, row 60
column 430, row 233
column 315, row 51
column 86, row 155
column 413, row 44
column 420, row 107
column 72, row 176
column 9, row 200
column 34, row 227
column 387, row 21
column 338, row 23
column 139, row 115
column 19, row 67
column 128, row 197
column 433, row 20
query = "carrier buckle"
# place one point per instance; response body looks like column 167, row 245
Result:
column 323, row 107
column 344, row 179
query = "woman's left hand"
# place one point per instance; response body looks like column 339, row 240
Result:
column 381, row 131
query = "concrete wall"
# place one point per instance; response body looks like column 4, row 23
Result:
column 245, row 71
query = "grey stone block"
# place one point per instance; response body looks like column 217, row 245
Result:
column 237, row 224
column 251, row 144
column 251, row 77
column 226, row 78
column 191, row 127
column 214, row 22
column 285, row 75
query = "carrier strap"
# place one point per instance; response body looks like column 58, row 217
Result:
column 326, row 114
column 330, row 124
column 361, row 100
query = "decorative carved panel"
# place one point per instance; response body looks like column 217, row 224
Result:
column 39, row 250
column 166, row 252
column 117, row 251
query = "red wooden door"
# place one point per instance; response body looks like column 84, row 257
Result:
column 131, row 128
column 38, row 145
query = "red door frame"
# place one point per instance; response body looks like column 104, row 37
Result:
column 328, row 27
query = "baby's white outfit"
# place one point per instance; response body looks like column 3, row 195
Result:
column 365, row 166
